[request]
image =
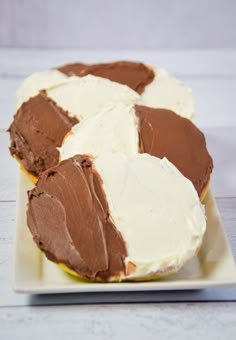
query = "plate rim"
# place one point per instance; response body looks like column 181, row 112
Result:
column 144, row 286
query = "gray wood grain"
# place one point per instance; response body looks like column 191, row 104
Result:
column 8, row 87
column 173, row 321
column 7, row 222
column 194, row 62
column 120, row 24
column 221, row 143
column 9, row 170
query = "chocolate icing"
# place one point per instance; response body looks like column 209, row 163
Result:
column 135, row 75
column 72, row 69
column 40, row 125
column 38, row 128
column 68, row 216
column 163, row 133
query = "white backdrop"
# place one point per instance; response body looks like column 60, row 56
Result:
column 122, row 24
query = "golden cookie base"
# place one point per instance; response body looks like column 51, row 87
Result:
column 149, row 277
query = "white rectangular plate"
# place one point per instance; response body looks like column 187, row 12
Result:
column 33, row 273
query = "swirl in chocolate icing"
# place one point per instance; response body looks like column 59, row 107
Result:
column 79, row 232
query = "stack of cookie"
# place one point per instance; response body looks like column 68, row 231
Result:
column 121, row 170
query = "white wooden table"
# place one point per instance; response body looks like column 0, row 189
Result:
column 212, row 75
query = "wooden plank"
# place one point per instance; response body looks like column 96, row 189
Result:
column 221, row 143
column 227, row 209
column 214, row 99
column 172, row 321
column 218, row 62
column 8, row 88
column 7, row 224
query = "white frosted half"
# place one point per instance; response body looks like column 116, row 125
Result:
column 167, row 92
column 37, row 81
column 114, row 128
column 84, row 96
column 156, row 209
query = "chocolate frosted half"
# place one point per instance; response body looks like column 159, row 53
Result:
column 38, row 128
column 68, row 216
column 72, row 69
column 135, row 75
column 165, row 134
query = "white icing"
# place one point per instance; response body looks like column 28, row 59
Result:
column 156, row 209
column 167, row 92
column 164, row 91
column 37, row 81
column 84, row 96
column 112, row 129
